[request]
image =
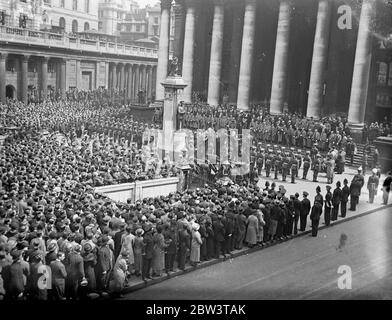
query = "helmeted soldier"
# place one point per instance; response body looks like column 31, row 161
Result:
column 306, row 164
column 278, row 164
column 316, row 167
column 294, row 169
column 268, row 163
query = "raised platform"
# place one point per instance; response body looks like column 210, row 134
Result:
column 140, row 189
column 384, row 146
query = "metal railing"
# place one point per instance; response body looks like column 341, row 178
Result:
column 44, row 38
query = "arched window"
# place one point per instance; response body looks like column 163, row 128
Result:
column 382, row 74
column 86, row 26
column 74, row 26
column 62, row 23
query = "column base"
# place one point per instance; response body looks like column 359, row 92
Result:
column 356, row 131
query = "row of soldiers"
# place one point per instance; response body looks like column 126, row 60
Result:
column 288, row 162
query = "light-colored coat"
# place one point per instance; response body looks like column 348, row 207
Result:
column 195, row 246
column 252, row 230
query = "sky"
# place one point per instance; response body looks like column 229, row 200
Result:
column 143, row 3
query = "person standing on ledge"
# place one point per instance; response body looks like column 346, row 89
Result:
column 386, row 187
column 372, row 185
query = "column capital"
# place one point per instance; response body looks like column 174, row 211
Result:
column 25, row 57
column 45, row 59
column 166, row 4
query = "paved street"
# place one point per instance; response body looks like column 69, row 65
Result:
column 303, row 268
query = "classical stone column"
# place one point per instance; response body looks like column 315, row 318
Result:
column 3, row 59
column 114, row 75
column 163, row 52
column 214, row 79
column 78, row 75
column 279, row 77
column 149, row 87
column 129, row 82
column 188, row 55
column 24, row 82
column 137, row 82
column 44, row 78
column 63, row 77
column 319, row 60
column 363, row 57
column 122, row 77
column 179, row 29
column 244, row 83
column 154, row 81
column 235, row 49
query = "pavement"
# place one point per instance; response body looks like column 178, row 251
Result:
column 363, row 208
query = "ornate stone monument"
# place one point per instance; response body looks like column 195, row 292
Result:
column 173, row 86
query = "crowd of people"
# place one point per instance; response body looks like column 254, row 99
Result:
column 59, row 239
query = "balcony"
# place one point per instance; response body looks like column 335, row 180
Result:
column 54, row 40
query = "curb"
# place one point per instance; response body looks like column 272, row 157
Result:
column 242, row 252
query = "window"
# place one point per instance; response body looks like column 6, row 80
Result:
column 75, row 5
column 10, row 65
column 87, row 6
column 51, row 67
column 74, row 26
column 382, row 74
column 138, row 28
column 32, row 67
column 62, row 4
column 156, row 20
column 62, row 23
column 86, row 26
column 100, row 25
column 155, row 31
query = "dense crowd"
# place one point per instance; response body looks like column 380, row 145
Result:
column 59, row 239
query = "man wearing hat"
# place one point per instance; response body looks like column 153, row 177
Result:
column 355, row 189
column 148, row 252
column 372, row 185
column 328, row 206
column 105, row 260
column 336, row 199
column 59, row 275
column 184, row 244
column 305, row 209
column 316, row 167
column 75, row 272
column 14, row 277
column 344, row 199
column 317, row 210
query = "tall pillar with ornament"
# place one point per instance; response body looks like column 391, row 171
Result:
column 173, row 89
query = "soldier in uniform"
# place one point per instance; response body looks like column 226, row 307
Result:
column 336, row 198
column 285, row 167
column 306, row 165
column 278, row 164
column 305, row 209
column 372, row 185
column 316, row 167
column 268, row 163
column 294, row 169
column 327, row 206
column 260, row 161
column 344, row 199
column 317, row 210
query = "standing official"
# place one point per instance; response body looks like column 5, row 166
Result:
column 336, row 198
column 305, row 209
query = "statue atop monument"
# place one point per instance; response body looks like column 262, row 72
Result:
column 174, row 71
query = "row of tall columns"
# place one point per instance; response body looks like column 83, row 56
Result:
column 132, row 79
column 280, row 69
